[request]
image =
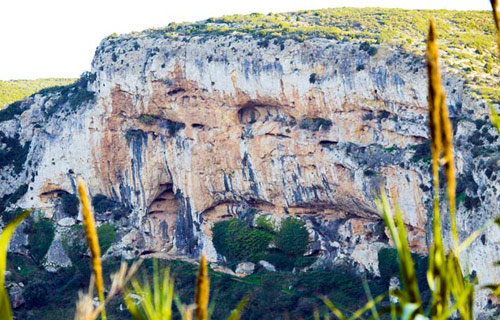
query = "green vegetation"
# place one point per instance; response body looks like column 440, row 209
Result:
column 13, row 110
column 315, row 124
column 238, row 242
column 103, row 204
column 107, row 235
column 12, row 152
column 148, row 119
column 12, row 198
column 272, row 294
column 40, row 237
column 14, row 90
column 467, row 42
column 292, row 237
column 422, row 152
column 74, row 94
column 278, row 294
column 70, row 204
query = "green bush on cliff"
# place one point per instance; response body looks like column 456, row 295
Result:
column 107, row 235
column 266, row 223
column 103, row 204
column 12, row 152
column 12, row 198
column 35, row 293
column 70, row 204
column 40, row 238
column 238, row 242
column 315, row 124
column 292, row 237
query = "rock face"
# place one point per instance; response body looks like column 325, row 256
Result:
column 175, row 135
column 245, row 268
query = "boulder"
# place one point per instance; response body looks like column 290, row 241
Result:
column 16, row 295
column 66, row 222
column 266, row 265
column 56, row 257
column 245, row 268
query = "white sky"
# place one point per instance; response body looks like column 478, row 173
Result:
column 57, row 38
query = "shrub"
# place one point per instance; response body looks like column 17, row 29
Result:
column 148, row 119
column 265, row 223
column 372, row 51
column 280, row 260
column 292, row 237
column 40, row 238
column 107, row 235
column 11, row 111
column 315, row 124
column 74, row 94
column 13, row 153
column 12, row 197
column 70, row 204
column 422, row 152
column 237, row 241
column 388, row 263
column 313, row 78
column 7, row 216
column 35, row 293
column 103, row 204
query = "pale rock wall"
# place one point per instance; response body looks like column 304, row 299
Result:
column 187, row 133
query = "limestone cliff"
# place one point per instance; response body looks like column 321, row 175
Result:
column 181, row 133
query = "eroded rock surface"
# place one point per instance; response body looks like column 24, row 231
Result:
column 176, row 135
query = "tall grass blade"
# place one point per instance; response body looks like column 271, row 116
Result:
column 436, row 274
column 334, row 309
column 93, row 243
column 155, row 303
column 202, row 291
column 236, row 313
column 397, row 230
column 5, row 309
column 495, row 120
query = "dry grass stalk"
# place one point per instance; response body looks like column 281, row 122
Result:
column 496, row 18
column 441, row 137
column 92, row 242
column 8, row 230
column 449, row 167
column 202, row 291
column 85, row 309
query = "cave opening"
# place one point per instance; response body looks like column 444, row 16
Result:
column 162, row 214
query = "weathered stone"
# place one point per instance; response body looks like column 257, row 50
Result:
column 16, row 295
column 185, row 141
column 56, row 257
column 266, row 265
column 245, row 268
column 66, row 222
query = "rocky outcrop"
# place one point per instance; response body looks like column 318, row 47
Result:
column 172, row 136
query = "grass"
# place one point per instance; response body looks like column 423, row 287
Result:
column 468, row 44
column 15, row 90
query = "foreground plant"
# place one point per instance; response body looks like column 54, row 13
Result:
column 5, row 308
column 93, row 243
column 85, row 309
column 145, row 303
column 444, row 275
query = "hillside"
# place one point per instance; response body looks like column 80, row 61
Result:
column 260, row 141
column 14, row 90
column 467, row 39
